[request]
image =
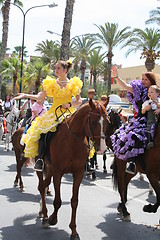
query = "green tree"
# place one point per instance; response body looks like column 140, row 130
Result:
column 50, row 51
column 18, row 51
column 110, row 36
column 35, row 72
column 5, row 14
column 147, row 41
column 154, row 16
column 65, row 42
column 81, row 47
column 11, row 69
column 95, row 60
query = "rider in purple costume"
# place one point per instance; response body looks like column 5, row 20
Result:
column 130, row 141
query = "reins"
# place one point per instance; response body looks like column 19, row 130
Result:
column 89, row 127
column 70, row 130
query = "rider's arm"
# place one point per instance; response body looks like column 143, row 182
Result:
column 23, row 106
column 120, row 81
column 145, row 107
column 39, row 96
column 77, row 101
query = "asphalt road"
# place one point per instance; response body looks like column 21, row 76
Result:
column 97, row 217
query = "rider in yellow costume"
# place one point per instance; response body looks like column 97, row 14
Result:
column 61, row 90
column 47, row 121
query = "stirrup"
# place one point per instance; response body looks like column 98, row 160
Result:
column 39, row 165
column 131, row 168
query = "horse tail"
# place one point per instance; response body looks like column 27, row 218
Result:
column 114, row 175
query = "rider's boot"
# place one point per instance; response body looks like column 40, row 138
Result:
column 39, row 165
column 149, row 141
column 132, row 167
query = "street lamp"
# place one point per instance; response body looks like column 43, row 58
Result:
column 22, row 50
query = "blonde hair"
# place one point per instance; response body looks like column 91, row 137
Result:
column 156, row 88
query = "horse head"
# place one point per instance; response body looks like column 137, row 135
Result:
column 115, row 123
column 12, row 117
column 98, row 121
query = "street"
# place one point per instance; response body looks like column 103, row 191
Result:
column 97, row 217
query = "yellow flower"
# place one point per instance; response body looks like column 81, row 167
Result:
column 69, row 61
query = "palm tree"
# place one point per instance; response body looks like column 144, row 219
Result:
column 95, row 60
column 18, row 51
column 111, row 37
column 5, row 13
column 147, row 41
column 65, row 42
column 154, row 16
column 36, row 71
column 50, row 50
column 81, row 47
column 11, row 69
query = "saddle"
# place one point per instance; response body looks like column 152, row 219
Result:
column 44, row 144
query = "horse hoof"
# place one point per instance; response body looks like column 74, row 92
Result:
column 22, row 189
column 127, row 218
column 49, row 193
column 141, row 178
column 52, row 221
column 150, row 192
column 45, row 223
column 149, row 208
column 119, row 209
column 75, row 237
column 15, row 184
column 105, row 171
column 40, row 214
column 97, row 167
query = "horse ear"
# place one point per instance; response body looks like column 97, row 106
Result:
column 120, row 110
column 106, row 102
column 92, row 103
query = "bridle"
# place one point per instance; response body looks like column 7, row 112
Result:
column 91, row 136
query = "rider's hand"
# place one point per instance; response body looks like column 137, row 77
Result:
column 66, row 105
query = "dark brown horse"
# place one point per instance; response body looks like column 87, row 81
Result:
column 149, row 164
column 68, row 154
column 20, row 159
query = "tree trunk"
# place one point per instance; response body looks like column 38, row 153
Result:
column 150, row 64
column 37, row 84
column 94, row 80
column 14, row 84
column 65, row 42
column 109, row 55
column 5, row 12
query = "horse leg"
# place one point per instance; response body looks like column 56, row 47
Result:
column 154, row 180
column 77, row 179
column 104, row 163
column 7, row 141
column 122, row 188
column 57, row 199
column 19, row 165
column 43, row 211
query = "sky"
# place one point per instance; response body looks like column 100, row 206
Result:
column 86, row 14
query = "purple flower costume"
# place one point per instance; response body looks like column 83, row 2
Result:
column 130, row 140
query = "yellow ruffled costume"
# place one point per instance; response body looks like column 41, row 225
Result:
column 47, row 122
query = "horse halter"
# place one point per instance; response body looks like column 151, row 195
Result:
column 93, row 137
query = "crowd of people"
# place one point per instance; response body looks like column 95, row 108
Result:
column 129, row 141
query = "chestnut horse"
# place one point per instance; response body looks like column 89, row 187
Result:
column 149, row 164
column 68, row 154
column 20, row 159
